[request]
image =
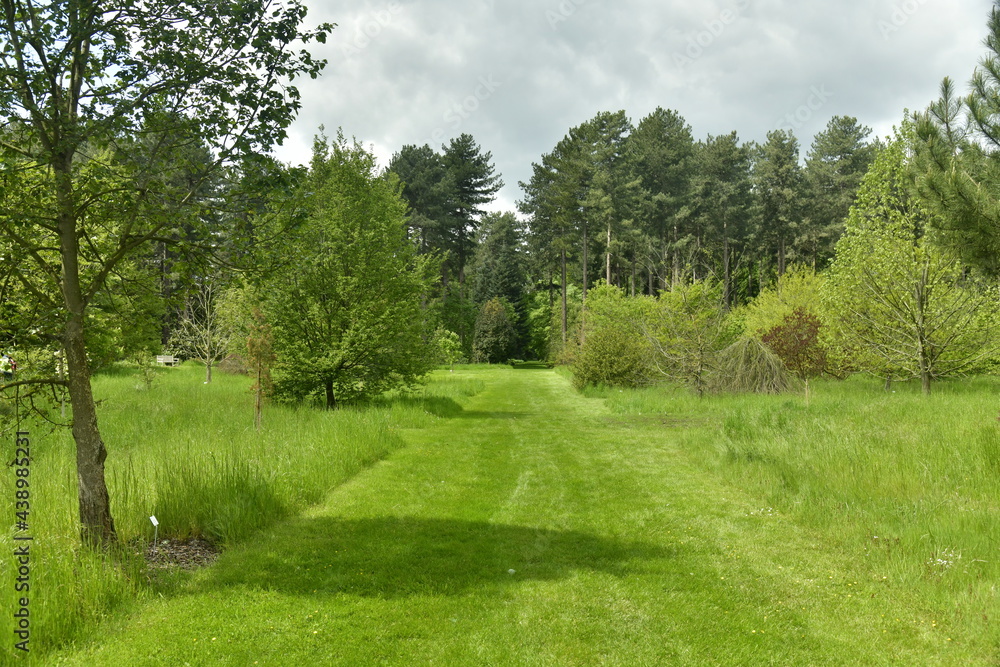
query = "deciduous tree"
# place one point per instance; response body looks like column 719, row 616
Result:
column 345, row 304
column 905, row 307
column 97, row 101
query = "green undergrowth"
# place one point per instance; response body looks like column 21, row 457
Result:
column 187, row 453
column 908, row 484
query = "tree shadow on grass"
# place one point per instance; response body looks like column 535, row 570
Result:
column 395, row 557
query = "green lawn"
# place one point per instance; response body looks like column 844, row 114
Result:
column 530, row 524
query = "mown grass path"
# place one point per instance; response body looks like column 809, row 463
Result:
column 533, row 527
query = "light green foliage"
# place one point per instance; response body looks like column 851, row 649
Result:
column 346, row 305
column 798, row 288
column 614, row 352
column 749, row 367
column 901, row 306
column 496, row 332
column 448, row 347
column 687, row 330
column 203, row 333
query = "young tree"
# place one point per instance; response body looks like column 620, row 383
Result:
column 97, row 101
column 614, row 352
column 345, row 304
column 686, row 332
column 904, row 306
column 796, row 341
column 203, row 333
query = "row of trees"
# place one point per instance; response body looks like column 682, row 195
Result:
column 896, row 302
column 648, row 207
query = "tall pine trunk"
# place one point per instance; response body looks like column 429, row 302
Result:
column 564, row 306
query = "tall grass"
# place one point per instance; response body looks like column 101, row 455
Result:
column 907, row 482
column 187, row 453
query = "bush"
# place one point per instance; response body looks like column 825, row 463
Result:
column 614, row 351
column 612, row 356
column 749, row 367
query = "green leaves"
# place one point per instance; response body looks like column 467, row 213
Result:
column 904, row 307
column 345, row 305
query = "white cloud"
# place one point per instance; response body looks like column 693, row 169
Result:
column 401, row 69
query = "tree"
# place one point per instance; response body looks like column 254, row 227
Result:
column 836, row 163
column 661, row 151
column 346, row 305
column 721, row 203
column 686, row 332
column 260, row 357
column 429, row 190
column 472, row 176
column 778, row 185
column 448, row 347
column 614, row 352
column 905, row 307
column 497, row 269
column 202, row 333
column 496, row 334
column 957, row 146
column 796, row 341
column 98, row 101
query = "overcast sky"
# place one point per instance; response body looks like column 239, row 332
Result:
column 518, row 74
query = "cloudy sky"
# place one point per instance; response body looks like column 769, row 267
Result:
column 518, row 74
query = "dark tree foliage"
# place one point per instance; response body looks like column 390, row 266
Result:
column 496, row 335
column 957, row 162
column 796, row 341
column 837, row 161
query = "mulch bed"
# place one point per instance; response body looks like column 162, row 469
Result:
column 187, row 554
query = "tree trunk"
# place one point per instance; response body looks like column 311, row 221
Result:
column 97, row 527
column 583, row 298
column 331, row 399
column 208, row 372
column 727, row 281
column 564, row 307
column 257, row 394
column 608, row 258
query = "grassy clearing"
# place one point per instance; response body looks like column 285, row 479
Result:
column 907, row 485
column 187, row 453
column 528, row 524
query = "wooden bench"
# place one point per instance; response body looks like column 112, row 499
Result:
column 166, row 359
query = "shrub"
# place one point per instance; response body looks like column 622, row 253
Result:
column 749, row 367
column 612, row 356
